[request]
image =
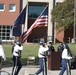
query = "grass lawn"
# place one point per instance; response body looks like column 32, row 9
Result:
column 30, row 49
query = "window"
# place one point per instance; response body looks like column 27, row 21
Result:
column 1, row 7
column 12, row 7
column 5, row 32
column 35, row 9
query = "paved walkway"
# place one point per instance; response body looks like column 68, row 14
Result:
column 31, row 70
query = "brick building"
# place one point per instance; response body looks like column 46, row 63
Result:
column 10, row 9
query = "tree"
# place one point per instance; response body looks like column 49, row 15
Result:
column 63, row 14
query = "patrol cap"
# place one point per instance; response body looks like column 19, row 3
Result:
column 42, row 43
column 18, row 42
column 65, row 45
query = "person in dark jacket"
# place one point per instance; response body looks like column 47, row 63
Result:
column 51, row 47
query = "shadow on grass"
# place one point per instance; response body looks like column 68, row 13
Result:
column 9, row 62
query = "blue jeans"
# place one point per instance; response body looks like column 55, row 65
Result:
column 41, row 62
column 64, row 67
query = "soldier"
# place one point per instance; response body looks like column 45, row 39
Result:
column 2, row 55
column 17, row 48
column 65, row 60
column 41, row 54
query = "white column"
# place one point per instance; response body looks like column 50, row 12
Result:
column 49, row 34
column 24, row 27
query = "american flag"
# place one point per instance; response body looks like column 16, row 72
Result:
column 42, row 20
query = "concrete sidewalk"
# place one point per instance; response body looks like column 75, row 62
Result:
column 31, row 70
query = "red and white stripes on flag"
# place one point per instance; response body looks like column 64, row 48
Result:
column 42, row 20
